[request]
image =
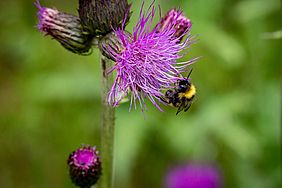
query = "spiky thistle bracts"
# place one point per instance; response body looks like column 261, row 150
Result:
column 99, row 17
column 147, row 62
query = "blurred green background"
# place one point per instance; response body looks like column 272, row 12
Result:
column 50, row 100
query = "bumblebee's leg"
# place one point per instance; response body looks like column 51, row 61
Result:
column 180, row 108
column 188, row 106
column 164, row 100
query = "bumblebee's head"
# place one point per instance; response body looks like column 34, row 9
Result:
column 184, row 84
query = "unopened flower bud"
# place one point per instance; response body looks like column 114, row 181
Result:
column 65, row 28
column 176, row 19
column 111, row 45
column 84, row 166
column 99, row 17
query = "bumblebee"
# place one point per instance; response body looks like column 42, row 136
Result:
column 182, row 95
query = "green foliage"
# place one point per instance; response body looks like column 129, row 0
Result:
column 50, row 101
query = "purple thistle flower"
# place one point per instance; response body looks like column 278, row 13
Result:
column 84, row 166
column 146, row 65
column 65, row 28
column 193, row 176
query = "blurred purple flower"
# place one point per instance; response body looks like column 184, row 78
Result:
column 146, row 64
column 193, row 176
column 84, row 166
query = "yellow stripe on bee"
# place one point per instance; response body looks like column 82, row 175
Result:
column 189, row 93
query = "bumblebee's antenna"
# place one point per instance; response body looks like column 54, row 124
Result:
column 189, row 73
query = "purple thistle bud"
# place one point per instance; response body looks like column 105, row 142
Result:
column 193, row 176
column 99, row 17
column 65, row 28
column 180, row 23
column 145, row 62
column 84, row 166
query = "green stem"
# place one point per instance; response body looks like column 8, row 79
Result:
column 107, row 127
